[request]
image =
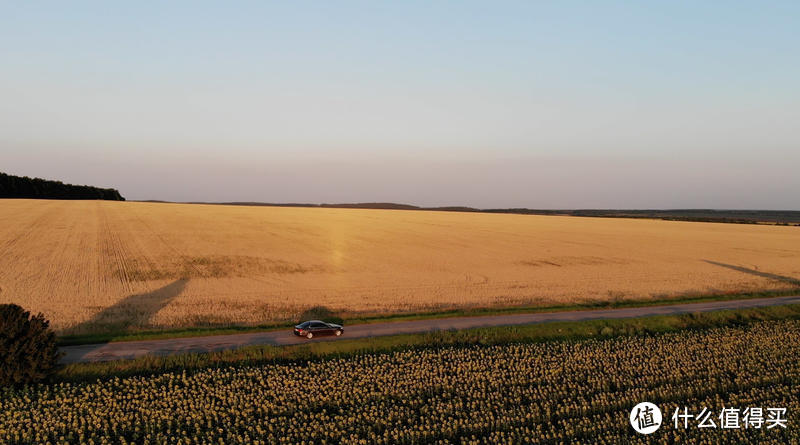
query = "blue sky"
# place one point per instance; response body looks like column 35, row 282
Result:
column 489, row 104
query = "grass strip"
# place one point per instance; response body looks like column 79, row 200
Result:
column 552, row 331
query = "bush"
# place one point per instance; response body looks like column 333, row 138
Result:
column 27, row 346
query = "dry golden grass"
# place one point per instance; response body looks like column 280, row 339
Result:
column 91, row 266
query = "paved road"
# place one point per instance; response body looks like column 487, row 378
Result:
column 133, row 349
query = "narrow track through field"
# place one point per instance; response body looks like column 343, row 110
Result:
column 133, row 349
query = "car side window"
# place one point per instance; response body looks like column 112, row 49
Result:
column 319, row 325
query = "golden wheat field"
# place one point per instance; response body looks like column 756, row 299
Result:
column 97, row 265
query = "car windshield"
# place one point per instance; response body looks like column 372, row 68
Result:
column 305, row 325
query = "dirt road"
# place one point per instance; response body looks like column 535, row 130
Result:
column 133, row 349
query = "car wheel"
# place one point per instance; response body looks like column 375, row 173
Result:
column 338, row 332
column 310, row 335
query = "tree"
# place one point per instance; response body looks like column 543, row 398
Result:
column 37, row 188
column 28, row 351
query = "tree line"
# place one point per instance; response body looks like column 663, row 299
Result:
column 36, row 188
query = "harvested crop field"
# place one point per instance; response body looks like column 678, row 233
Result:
column 92, row 266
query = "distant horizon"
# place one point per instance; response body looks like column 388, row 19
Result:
column 415, row 206
column 322, row 204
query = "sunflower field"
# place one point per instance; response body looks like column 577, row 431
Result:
column 558, row 392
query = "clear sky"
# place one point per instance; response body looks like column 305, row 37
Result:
column 491, row 104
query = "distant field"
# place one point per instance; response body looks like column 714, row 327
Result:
column 92, row 266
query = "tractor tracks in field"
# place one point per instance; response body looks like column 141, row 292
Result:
column 14, row 253
column 114, row 247
column 177, row 253
column 30, row 229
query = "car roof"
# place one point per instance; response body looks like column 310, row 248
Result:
column 316, row 321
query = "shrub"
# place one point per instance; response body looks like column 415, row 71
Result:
column 27, row 346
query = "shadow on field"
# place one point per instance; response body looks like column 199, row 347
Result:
column 771, row 276
column 133, row 311
column 320, row 313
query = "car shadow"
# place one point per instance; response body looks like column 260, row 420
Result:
column 134, row 311
column 771, row 276
column 320, row 313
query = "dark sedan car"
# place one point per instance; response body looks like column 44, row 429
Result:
column 313, row 328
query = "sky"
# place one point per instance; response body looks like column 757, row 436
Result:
column 490, row 104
